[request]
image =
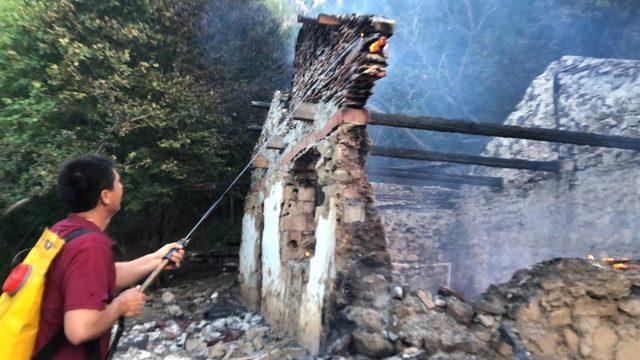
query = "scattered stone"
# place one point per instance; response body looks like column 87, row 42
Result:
column 560, row 317
column 397, row 292
column 374, row 345
column 218, row 351
column 460, row 311
column 485, row 320
column 340, row 345
column 551, row 282
column 370, row 320
column 590, row 307
column 426, row 299
column 439, row 301
column 168, row 297
column 627, row 350
column 630, row 307
column 174, row 310
column 604, row 339
column 571, row 339
column 194, row 344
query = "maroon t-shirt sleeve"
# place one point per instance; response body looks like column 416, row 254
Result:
column 86, row 280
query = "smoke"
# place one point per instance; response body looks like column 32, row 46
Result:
column 473, row 60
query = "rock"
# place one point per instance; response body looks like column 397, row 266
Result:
column 219, row 324
column 460, row 311
column 256, row 319
column 214, row 297
column 490, row 305
column 340, row 345
column 168, row 297
column 370, row 320
column 258, row 343
column 439, row 301
column 246, row 347
column 604, row 340
column 284, row 354
column 392, row 336
column 547, row 343
column 589, row 307
column 560, row 317
column 485, row 320
column 571, row 339
column 374, row 345
column 627, row 350
column 426, row 298
column 551, row 282
column 431, row 342
column 630, row 307
column 195, row 344
column 174, row 310
column 397, row 292
column 218, row 351
column 463, row 342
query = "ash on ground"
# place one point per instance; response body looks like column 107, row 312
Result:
column 202, row 319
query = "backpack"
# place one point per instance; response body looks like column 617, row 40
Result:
column 22, row 296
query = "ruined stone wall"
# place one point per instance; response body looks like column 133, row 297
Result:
column 313, row 255
column 417, row 222
column 590, row 207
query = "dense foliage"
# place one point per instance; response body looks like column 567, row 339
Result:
column 162, row 86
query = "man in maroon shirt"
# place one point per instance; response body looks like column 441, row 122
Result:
column 82, row 280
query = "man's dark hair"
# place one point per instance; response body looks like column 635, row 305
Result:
column 82, row 179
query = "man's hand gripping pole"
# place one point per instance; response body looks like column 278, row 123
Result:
column 165, row 261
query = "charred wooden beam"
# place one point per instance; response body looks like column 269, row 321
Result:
column 442, row 178
column 551, row 166
column 261, row 104
column 508, row 131
column 411, row 182
column 322, row 19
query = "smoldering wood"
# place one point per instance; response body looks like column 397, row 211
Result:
column 508, row 131
column 425, row 155
column 385, row 174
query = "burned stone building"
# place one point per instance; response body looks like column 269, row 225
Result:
column 348, row 258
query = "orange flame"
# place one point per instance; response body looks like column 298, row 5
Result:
column 377, row 46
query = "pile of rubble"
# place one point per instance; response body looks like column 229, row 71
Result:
column 559, row 309
column 202, row 320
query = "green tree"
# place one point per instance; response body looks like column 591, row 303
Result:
column 162, row 86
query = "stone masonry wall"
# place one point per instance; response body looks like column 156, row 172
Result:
column 590, row 207
column 313, row 254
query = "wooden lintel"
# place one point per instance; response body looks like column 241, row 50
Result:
column 276, row 143
column 305, row 112
column 425, row 155
column 260, row 162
